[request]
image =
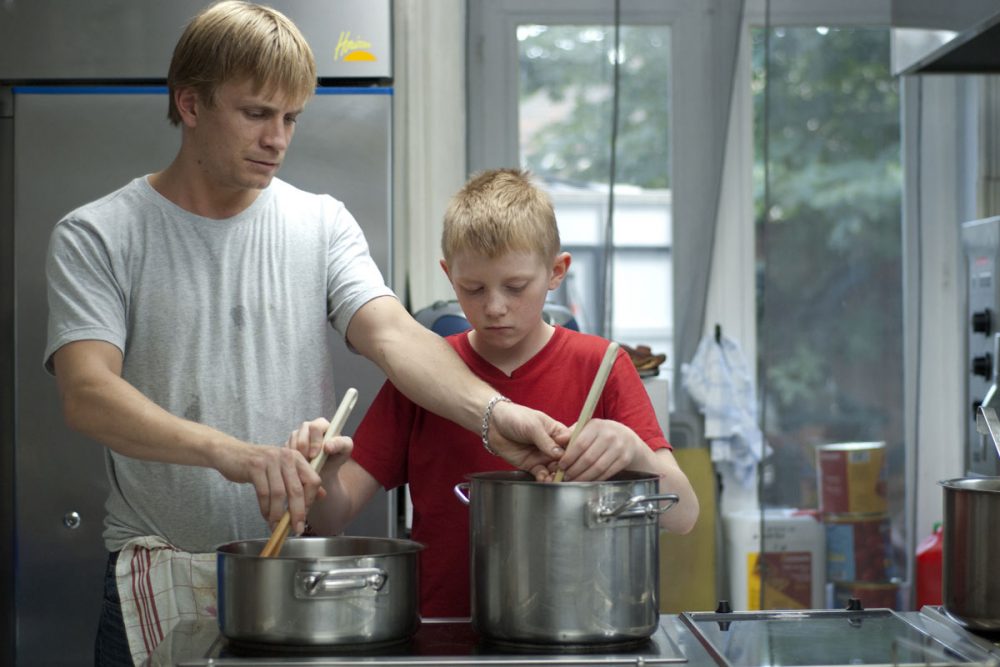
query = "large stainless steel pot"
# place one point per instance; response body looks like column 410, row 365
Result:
column 319, row 591
column 567, row 563
column 970, row 584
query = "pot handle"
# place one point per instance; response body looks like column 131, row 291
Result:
column 637, row 506
column 462, row 492
column 331, row 582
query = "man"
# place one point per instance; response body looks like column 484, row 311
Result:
column 188, row 313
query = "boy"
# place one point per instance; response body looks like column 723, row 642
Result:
column 501, row 255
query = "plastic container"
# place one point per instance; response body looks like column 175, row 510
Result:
column 928, row 578
column 789, row 573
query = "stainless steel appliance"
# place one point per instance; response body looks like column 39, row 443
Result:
column 82, row 111
column 981, row 240
column 837, row 637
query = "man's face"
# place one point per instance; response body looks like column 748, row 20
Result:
column 241, row 139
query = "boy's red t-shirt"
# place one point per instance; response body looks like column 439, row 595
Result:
column 399, row 442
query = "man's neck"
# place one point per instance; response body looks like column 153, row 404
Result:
column 198, row 195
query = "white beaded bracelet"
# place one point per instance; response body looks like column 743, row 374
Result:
column 486, row 422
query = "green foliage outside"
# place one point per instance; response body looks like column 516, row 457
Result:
column 829, row 252
column 572, row 65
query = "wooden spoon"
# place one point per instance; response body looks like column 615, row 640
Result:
column 595, row 393
column 273, row 546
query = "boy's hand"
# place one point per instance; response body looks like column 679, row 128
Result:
column 308, row 439
column 603, row 449
column 526, row 438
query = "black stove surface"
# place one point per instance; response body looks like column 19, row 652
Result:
column 437, row 642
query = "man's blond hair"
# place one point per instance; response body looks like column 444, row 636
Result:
column 499, row 211
column 235, row 40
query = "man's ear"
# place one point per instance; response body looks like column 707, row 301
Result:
column 187, row 102
column 560, row 267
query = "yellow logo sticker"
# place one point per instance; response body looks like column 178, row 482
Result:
column 353, row 49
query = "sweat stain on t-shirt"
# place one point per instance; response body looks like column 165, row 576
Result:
column 238, row 313
column 193, row 411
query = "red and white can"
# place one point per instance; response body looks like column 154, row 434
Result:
column 851, row 478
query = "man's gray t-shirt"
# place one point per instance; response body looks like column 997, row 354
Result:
column 223, row 322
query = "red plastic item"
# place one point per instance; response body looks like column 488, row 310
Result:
column 929, row 553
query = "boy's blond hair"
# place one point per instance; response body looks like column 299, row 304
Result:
column 235, row 40
column 498, row 211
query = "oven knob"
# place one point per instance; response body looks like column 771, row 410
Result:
column 982, row 322
column 983, row 365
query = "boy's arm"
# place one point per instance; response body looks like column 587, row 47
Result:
column 605, row 447
column 348, row 487
column 682, row 517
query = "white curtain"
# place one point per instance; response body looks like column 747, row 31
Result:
column 428, row 140
column 730, row 303
column 935, row 139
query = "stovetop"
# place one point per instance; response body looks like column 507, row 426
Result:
column 738, row 639
column 450, row 642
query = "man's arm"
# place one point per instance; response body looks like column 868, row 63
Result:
column 99, row 403
column 428, row 372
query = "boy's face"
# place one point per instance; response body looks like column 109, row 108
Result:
column 503, row 297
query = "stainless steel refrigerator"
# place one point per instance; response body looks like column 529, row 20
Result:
column 82, row 111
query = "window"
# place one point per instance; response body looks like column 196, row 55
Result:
column 565, row 114
column 829, row 252
column 827, row 280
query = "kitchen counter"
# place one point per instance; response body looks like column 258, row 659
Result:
column 797, row 637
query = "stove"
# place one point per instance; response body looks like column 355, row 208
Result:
column 450, row 642
column 696, row 639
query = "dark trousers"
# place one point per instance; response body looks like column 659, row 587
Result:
column 111, row 648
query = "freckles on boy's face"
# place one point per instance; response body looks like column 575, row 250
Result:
column 502, row 297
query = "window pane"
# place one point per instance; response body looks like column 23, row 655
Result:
column 565, row 118
column 829, row 255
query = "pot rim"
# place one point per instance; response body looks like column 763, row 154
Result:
column 851, row 446
column 401, row 547
column 972, row 484
column 516, row 477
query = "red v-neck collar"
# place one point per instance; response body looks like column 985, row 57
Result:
column 485, row 369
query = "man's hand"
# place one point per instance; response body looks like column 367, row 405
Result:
column 282, row 476
column 526, row 438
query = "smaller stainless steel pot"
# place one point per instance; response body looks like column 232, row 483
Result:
column 319, row 591
column 970, row 584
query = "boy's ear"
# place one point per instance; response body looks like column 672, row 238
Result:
column 444, row 267
column 560, row 267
